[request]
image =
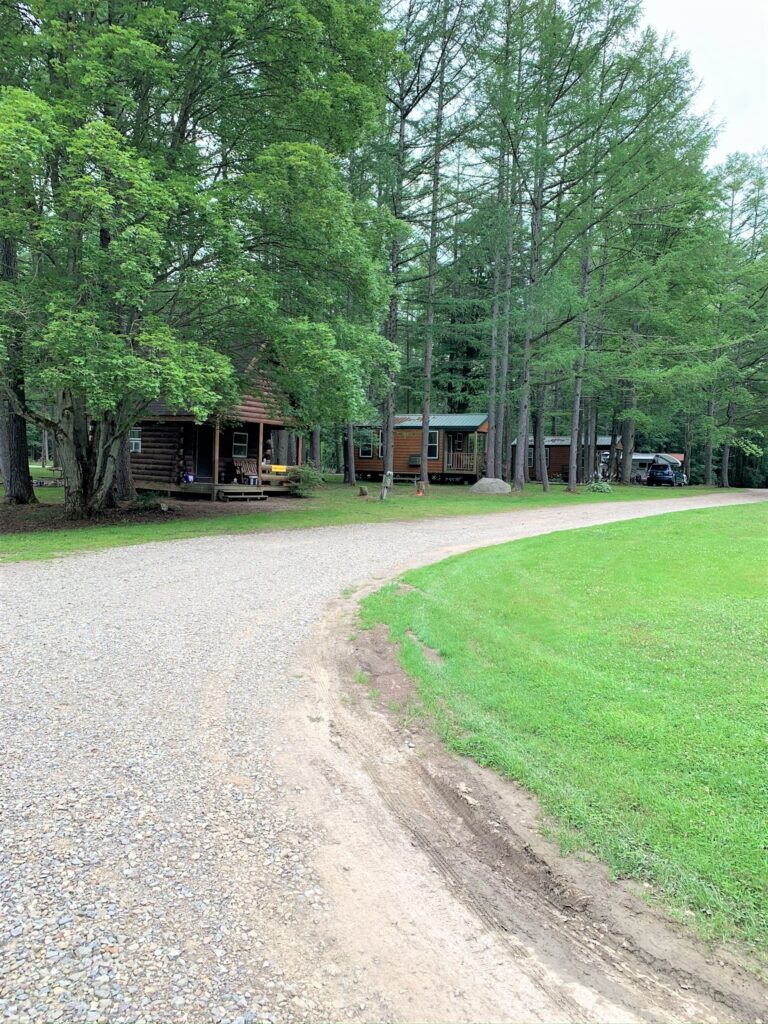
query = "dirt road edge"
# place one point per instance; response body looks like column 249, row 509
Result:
column 444, row 890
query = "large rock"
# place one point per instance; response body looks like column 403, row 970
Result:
column 491, row 485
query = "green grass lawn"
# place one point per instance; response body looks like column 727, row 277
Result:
column 335, row 505
column 621, row 673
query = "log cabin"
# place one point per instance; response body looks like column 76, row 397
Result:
column 456, row 448
column 229, row 457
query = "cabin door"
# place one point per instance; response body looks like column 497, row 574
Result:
column 204, row 452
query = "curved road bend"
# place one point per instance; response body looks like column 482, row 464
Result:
column 155, row 864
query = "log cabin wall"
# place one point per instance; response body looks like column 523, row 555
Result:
column 166, row 451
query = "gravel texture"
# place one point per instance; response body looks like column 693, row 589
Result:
column 152, row 865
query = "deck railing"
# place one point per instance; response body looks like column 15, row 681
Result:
column 461, row 462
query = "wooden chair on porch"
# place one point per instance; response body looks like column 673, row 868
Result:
column 247, row 470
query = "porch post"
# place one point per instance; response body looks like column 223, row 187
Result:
column 216, row 438
column 261, row 447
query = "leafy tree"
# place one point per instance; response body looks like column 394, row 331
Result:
column 171, row 187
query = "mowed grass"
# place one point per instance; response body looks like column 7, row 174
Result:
column 620, row 673
column 335, row 505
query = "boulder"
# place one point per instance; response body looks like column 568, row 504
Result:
column 491, row 485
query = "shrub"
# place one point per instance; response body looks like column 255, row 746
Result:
column 304, row 480
column 598, row 487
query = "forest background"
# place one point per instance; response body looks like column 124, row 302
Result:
column 429, row 205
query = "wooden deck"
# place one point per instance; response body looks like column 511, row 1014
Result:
column 217, row 492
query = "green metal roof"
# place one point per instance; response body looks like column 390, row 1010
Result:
column 444, row 421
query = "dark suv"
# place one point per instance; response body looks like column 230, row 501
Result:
column 661, row 473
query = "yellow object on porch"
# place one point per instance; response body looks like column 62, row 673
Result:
column 278, row 469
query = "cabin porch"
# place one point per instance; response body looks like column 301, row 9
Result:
column 464, row 452
column 175, row 455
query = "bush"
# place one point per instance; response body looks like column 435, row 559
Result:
column 304, row 480
column 598, row 487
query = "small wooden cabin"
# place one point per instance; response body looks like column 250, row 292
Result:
column 222, row 458
column 456, row 447
column 557, row 451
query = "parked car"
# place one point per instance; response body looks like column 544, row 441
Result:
column 661, row 473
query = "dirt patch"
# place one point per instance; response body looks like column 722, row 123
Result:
column 47, row 516
column 431, row 854
column 429, row 652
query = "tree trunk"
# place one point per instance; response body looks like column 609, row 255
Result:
column 124, row 489
column 490, row 441
column 389, row 431
column 555, row 406
column 350, row 450
column 337, row 453
column 627, row 445
column 437, row 150
column 503, row 413
column 708, row 449
column 592, row 441
column 688, row 448
column 88, row 450
column 521, row 457
column 613, row 450
column 521, row 454
column 583, row 443
column 317, row 460
column 539, row 448
column 725, row 462
column 14, row 458
column 14, row 451
column 573, row 453
column 281, row 448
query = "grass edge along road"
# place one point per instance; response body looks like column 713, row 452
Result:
column 618, row 672
column 335, row 505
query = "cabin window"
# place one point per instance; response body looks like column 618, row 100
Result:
column 239, row 446
column 432, row 448
column 365, row 448
column 134, row 440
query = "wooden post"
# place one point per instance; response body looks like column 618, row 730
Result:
column 216, row 438
column 261, row 447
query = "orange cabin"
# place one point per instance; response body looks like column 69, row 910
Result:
column 456, row 447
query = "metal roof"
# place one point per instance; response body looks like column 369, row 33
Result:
column 562, row 440
column 673, row 460
column 444, row 421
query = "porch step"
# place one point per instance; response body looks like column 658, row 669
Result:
column 233, row 493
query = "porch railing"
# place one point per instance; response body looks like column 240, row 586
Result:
column 460, row 462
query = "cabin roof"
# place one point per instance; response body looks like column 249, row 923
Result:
column 443, row 421
column 562, row 440
column 258, row 404
column 664, row 456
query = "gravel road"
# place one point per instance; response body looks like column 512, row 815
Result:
column 154, row 865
